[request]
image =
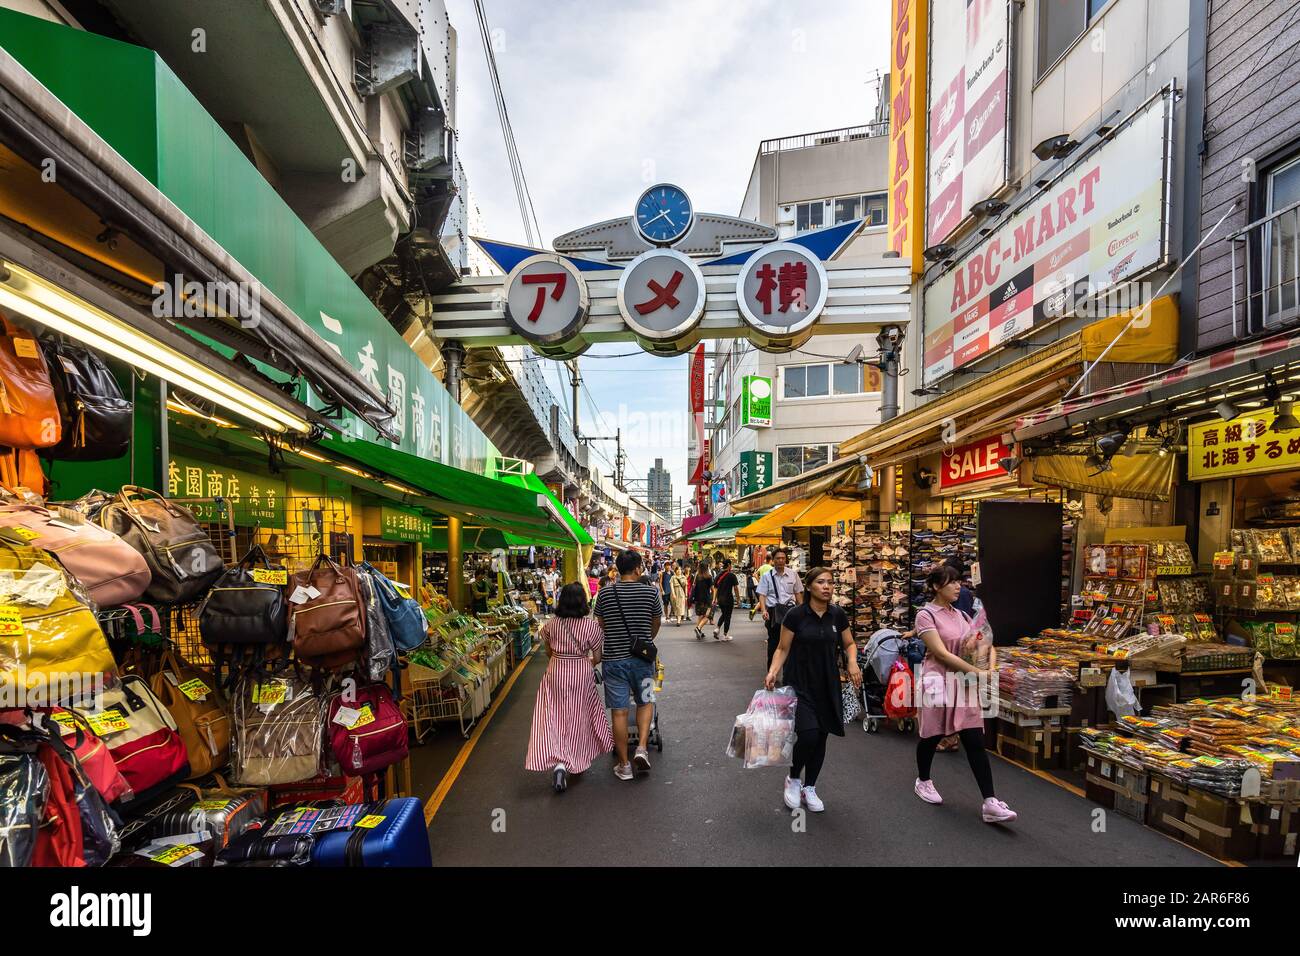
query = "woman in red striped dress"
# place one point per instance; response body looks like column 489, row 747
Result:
column 570, row 728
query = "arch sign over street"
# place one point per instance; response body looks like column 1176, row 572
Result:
column 667, row 277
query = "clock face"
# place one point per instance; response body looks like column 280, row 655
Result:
column 663, row 214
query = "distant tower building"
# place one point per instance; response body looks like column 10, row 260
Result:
column 659, row 489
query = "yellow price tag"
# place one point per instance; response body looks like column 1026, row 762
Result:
column 264, row 576
column 364, row 716
column 25, row 534
column 66, row 721
column 109, row 722
column 195, row 689
column 370, row 822
column 269, row 693
column 174, row 854
column 11, row 621
column 211, row 804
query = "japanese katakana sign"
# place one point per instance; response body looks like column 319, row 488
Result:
column 781, row 289
column 254, row 499
column 546, row 299
column 661, row 295
column 1243, row 446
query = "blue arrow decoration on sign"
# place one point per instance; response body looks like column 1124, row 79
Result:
column 508, row 255
column 822, row 243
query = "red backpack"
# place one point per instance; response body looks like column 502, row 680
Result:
column 58, row 842
column 366, row 744
column 899, row 699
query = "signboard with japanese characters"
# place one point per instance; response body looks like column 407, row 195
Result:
column 546, row 299
column 755, row 471
column 1101, row 223
column 661, row 295
column 696, row 454
column 975, row 461
column 756, row 401
column 1243, row 446
column 781, row 289
column 253, row 499
column 404, row 524
column 968, row 109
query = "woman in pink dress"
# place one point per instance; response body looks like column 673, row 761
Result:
column 949, row 701
column 570, row 728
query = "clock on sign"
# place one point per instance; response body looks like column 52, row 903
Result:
column 663, row 214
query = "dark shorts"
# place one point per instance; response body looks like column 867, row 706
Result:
column 702, row 609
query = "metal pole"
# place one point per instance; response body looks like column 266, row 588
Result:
column 453, row 357
column 889, row 342
column 455, row 566
column 575, row 379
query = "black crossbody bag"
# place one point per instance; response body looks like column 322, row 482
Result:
column 641, row 647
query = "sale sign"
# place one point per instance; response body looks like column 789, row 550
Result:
column 973, row 462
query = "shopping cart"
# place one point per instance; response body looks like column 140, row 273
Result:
column 654, row 738
column 875, row 660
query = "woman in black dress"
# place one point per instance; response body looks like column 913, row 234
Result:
column 725, row 586
column 702, row 598
column 812, row 636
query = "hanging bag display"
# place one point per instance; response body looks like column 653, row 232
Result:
column 367, row 733
column 111, row 571
column 246, row 607
column 45, row 629
column 278, row 734
column 29, row 414
column 92, row 754
column 406, row 621
column 141, row 736
column 327, row 615
column 95, row 418
column 24, row 789
column 199, row 709
column 380, row 655
column 180, row 555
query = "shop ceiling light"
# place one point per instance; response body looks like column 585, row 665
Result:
column 1009, row 464
column 1285, row 421
column 36, row 298
column 1226, row 410
column 1111, row 443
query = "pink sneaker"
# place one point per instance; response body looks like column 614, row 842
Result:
column 925, row 790
column 995, row 811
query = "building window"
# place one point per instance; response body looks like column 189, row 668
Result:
column 869, row 207
column 832, row 378
column 793, row 460
column 808, row 215
column 873, row 209
column 1060, row 23
column 848, row 209
column 1279, row 239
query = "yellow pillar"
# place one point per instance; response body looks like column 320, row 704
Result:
column 455, row 570
column 572, row 571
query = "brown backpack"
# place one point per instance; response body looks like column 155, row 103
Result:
column 329, row 630
column 182, row 560
column 29, row 413
column 199, row 708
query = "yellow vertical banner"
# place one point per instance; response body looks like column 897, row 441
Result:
column 907, row 137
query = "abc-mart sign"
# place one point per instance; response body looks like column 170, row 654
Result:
column 662, row 296
column 1102, row 223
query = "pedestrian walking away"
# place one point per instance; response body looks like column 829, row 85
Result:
column 570, row 729
column 629, row 610
column 777, row 591
column 679, row 586
column 724, row 589
column 702, row 598
column 813, row 635
column 949, row 701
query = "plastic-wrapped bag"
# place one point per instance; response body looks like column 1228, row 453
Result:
column 279, row 729
column 1121, row 699
column 978, row 645
column 763, row 736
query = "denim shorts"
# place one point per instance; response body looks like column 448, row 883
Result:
column 627, row 680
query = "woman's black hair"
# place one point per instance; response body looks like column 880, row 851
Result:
column 941, row 577
column 572, row 601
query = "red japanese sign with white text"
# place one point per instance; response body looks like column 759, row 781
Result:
column 975, row 461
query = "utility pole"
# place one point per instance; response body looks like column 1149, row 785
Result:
column 575, row 380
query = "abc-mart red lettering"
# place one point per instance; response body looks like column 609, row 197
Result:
column 983, row 269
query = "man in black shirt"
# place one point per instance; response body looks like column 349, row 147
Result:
column 724, row 589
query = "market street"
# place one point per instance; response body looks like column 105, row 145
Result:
column 700, row 807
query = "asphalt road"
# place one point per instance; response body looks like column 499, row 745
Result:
column 698, row 807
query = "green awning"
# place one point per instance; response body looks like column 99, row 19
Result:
column 484, row 540
column 724, row 528
column 533, row 483
column 487, row 501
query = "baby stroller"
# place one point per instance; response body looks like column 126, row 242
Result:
column 876, row 660
column 654, row 738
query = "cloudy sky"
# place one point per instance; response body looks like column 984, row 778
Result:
column 608, row 97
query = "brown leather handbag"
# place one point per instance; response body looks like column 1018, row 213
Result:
column 182, row 560
column 29, row 413
column 328, row 630
column 202, row 716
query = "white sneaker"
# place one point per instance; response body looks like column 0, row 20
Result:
column 995, row 811
column 812, row 801
column 926, row 791
column 792, row 793
column 641, row 762
column 623, row 771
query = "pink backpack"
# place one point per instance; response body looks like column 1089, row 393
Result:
column 370, row 734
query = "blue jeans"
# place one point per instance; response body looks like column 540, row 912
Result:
column 627, row 680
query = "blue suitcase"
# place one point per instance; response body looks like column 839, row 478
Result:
column 400, row 839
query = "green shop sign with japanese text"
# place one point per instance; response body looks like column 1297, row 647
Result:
column 400, row 524
column 755, row 471
column 254, row 499
column 756, row 401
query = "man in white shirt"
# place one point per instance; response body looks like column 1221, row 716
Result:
column 778, row 590
column 550, row 581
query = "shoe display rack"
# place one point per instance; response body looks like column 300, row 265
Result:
column 954, row 538
column 881, row 560
column 843, row 570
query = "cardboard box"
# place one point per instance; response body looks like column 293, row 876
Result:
column 1038, row 748
column 1222, row 827
column 1117, row 787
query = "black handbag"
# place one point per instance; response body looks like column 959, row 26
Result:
column 247, row 605
column 642, row 647
column 96, row 419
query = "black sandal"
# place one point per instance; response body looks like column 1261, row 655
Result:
column 561, row 780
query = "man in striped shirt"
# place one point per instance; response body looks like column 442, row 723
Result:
column 626, row 609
